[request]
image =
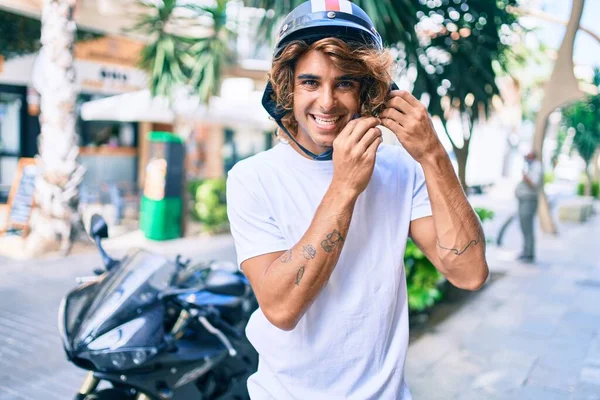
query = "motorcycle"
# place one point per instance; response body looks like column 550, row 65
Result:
column 147, row 328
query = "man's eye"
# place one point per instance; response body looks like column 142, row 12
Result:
column 346, row 84
column 309, row 82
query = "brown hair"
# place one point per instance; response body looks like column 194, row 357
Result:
column 371, row 66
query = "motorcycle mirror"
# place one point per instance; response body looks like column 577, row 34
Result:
column 98, row 227
column 99, row 231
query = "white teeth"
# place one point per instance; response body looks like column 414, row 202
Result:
column 325, row 122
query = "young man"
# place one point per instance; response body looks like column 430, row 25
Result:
column 320, row 221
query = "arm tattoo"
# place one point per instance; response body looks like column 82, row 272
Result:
column 332, row 240
column 299, row 275
column 286, row 257
column 309, row 252
column 456, row 251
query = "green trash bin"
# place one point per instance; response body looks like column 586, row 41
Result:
column 162, row 200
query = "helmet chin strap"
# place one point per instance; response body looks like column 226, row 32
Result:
column 325, row 156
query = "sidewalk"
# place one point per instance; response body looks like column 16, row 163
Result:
column 533, row 332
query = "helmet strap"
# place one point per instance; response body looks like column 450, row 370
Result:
column 325, row 156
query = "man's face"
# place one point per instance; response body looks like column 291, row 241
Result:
column 325, row 100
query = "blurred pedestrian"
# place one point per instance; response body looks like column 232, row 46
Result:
column 527, row 193
column 333, row 316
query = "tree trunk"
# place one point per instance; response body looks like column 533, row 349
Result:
column 588, row 186
column 57, row 186
column 560, row 89
column 596, row 166
column 462, row 155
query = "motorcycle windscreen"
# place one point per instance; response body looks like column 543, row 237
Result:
column 73, row 309
column 125, row 293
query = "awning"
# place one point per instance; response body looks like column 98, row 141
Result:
column 245, row 109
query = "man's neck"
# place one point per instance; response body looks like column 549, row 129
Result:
column 297, row 148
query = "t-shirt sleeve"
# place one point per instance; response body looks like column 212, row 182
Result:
column 421, row 207
column 254, row 231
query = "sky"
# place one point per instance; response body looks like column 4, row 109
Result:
column 587, row 49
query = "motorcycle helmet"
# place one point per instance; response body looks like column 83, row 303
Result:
column 314, row 20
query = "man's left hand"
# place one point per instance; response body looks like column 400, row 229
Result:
column 408, row 118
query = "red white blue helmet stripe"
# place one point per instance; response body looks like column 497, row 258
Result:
column 331, row 5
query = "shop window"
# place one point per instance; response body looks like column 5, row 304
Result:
column 105, row 133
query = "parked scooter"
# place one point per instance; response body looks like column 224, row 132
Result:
column 147, row 328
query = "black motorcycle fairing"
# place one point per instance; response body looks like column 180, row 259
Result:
column 178, row 377
column 123, row 295
column 73, row 308
column 143, row 334
column 123, row 317
column 189, row 379
column 148, row 332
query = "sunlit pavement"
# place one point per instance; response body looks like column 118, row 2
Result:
column 531, row 333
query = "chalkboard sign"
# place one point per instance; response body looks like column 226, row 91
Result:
column 20, row 199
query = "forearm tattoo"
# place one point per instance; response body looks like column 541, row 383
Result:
column 332, row 241
column 309, row 252
column 456, row 251
column 286, row 257
column 299, row 275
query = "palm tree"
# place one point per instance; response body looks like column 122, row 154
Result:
column 183, row 54
column 57, row 186
column 454, row 47
column 464, row 58
column 187, row 51
column 584, row 118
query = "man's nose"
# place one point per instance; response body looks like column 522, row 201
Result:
column 327, row 99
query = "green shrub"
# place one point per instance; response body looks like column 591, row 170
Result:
column 192, row 187
column 548, row 177
column 211, row 205
column 595, row 189
column 423, row 280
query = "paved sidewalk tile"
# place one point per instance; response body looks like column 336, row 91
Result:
column 533, row 333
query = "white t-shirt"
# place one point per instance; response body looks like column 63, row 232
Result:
column 351, row 343
column 533, row 170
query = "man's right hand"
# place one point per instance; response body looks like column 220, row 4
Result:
column 354, row 151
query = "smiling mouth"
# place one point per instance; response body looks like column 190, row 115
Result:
column 325, row 123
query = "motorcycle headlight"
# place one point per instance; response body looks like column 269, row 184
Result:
column 121, row 359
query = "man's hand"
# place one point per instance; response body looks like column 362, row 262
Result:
column 354, row 154
column 408, row 119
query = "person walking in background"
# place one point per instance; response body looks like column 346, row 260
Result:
column 527, row 193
